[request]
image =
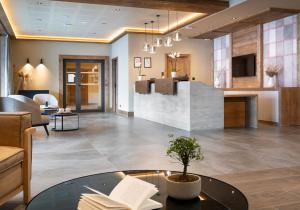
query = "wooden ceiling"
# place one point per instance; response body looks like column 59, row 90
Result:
column 200, row 6
column 265, row 16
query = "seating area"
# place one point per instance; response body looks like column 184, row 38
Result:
column 133, row 104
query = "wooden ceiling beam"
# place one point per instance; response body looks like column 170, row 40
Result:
column 200, row 6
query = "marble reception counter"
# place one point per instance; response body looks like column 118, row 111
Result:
column 195, row 106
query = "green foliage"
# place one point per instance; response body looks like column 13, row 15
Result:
column 184, row 149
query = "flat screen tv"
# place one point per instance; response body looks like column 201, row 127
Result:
column 244, row 66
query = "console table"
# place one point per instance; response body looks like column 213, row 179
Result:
column 215, row 194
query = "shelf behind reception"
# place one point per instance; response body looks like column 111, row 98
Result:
column 196, row 106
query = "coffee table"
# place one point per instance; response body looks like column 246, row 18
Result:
column 215, row 195
column 62, row 116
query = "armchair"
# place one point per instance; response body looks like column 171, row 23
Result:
column 15, row 155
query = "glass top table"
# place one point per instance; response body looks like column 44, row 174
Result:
column 215, row 194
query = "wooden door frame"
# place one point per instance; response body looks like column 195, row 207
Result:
column 114, row 82
column 84, row 57
column 166, row 63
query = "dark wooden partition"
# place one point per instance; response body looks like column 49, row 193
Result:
column 166, row 86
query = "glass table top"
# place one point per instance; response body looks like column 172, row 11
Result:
column 215, row 194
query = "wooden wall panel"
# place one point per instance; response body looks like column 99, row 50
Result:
column 235, row 112
column 248, row 41
column 289, row 106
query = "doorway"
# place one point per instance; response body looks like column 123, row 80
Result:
column 83, row 84
column 114, row 84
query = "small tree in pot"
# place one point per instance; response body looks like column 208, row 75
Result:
column 185, row 150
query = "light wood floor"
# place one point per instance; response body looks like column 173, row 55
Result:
column 263, row 163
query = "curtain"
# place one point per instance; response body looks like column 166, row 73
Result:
column 5, row 70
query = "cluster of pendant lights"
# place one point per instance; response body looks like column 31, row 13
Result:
column 159, row 42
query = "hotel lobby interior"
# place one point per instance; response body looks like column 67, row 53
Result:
column 155, row 104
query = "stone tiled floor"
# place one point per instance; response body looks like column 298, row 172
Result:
column 264, row 163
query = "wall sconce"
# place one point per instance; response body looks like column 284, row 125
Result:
column 27, row 60
column 41, row 61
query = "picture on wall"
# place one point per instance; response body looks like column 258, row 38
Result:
column 147, row 62
column 137, row 62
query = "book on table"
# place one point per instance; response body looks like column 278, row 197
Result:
column 130, row 194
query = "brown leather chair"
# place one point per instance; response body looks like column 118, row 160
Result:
column 15, row 155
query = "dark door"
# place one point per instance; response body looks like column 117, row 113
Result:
column 84, row 85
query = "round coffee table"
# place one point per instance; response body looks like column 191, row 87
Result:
column 215, row 194
column 62, row 116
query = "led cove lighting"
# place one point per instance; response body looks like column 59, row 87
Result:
column 8, row 12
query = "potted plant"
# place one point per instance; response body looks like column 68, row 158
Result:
column 273, row 71
column 174, row 57
column 184, row 186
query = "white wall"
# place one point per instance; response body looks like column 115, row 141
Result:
column 47, row 76
column 120, row 49
column 201, row 60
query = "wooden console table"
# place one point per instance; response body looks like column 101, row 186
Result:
column 240, row 111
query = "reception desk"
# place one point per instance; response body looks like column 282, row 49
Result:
column 240, row 111
column 195, row 106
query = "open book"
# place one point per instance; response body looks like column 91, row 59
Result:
column 130, row 194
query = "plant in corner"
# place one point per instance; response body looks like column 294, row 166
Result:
column 184, row 150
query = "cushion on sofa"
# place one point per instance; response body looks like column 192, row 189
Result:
column 10, row 156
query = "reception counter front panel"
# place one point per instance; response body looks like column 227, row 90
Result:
column 195, row 106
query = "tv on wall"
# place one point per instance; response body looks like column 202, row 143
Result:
column 244, row 66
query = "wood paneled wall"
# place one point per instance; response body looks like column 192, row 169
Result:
column 289, row 106
column 248, row 41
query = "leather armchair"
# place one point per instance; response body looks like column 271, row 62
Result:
column 15, row 155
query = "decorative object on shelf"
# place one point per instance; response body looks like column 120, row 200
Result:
column 146, row 47
column 168, row 40
column 137, row 62
column 158, row 41
column 272, row 71
column 174, row 56
column 184, row 186
column 177, row 36
column 42, row 61
column 147, row 62
column 152, row 49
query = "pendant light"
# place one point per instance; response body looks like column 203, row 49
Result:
column 177, row 36
column 158, row 40
column 152, row 47
column 168, row 40
column 146, row 47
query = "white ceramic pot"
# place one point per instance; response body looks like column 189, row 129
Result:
column 140, row 77
column 271, row 82
column 183, row 190
column 173, row 74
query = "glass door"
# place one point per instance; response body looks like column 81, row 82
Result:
column 84, row 85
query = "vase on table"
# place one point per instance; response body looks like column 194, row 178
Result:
column 173, row 74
